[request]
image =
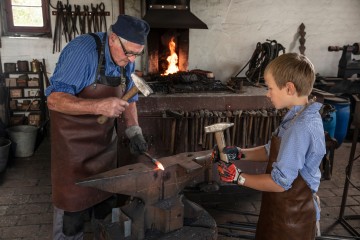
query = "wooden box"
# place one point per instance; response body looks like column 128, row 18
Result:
column 13, row 104
column 28, row 92
column 17, row 120
column 33, row 82
column 10, row 82
column 34, row 119
column 35, row 105
column 16, row 93
column 21, row 83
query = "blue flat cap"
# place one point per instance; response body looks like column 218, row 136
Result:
column 131, row 28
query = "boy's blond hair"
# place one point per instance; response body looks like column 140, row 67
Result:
column 295, row 68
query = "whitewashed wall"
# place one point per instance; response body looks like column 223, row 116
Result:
column 235, row 26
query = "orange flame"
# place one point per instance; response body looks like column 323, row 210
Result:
column 159, row 165
column 172, row 59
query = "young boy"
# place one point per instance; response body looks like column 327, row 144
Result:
column 288, row 208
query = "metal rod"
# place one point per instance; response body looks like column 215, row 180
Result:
column 154, row 161
column 342, row 218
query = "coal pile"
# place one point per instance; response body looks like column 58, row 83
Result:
column 185, row 82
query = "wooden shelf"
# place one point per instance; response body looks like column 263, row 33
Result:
column 38, row 99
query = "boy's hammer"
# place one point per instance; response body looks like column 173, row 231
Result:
column 218, row 129
column 139, row 86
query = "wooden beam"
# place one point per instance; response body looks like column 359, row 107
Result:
column 121, row 6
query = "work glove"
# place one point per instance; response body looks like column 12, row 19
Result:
column 232, row 152
column 228, row 172
column 137, row 143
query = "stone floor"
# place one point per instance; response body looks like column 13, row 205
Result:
column 26, row 209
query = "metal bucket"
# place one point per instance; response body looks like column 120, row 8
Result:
column 4, row 152
column 23, row 138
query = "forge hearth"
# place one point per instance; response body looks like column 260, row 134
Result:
column 185, row 82
column 158, row 49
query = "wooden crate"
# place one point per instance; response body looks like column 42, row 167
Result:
column 16, row 93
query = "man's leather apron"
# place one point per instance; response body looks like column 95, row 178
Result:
column 286, row 215
column 81, row 147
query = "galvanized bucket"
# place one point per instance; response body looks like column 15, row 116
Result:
column 23, row 138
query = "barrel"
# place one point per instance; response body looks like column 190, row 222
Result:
column 23, row 139
column 342, row 108
column 4, row 152
column 328, row 116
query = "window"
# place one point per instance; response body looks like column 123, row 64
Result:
column 26, row 18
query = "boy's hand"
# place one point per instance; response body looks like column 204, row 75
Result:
column 228, row 172
column 215, row 155
column 232, row 152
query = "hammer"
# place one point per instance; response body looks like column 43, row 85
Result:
column 139, row 86
column 218, row 129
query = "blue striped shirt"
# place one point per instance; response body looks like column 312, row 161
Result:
column 301, row 150
column 77, row 65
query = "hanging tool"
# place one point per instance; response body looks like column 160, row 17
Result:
column 102, row 17
column 67, row 22
column 82, row 22
column 88, row 18
column 153, row 160
column 139, row 86
column 74, row 31
column 94, row 15
column 58, row 26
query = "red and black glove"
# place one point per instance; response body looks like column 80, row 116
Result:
column 232, row 152
column 228, row 172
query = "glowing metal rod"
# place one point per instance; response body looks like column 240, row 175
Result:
column 156, row 162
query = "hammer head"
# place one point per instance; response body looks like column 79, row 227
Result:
column 141, row 85
column 218, row 127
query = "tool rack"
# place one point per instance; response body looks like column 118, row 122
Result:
column 344, row 220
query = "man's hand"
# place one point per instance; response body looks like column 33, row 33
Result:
column 137, row 144
column 111, row 107
column 228, row 172
column 232, row 152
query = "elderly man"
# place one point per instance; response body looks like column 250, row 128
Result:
column 92, row 74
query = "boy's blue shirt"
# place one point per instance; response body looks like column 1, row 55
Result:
column 302, row 148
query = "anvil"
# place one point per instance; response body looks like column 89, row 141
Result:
column 160, row 191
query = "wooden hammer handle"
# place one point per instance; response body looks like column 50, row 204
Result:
column 220, row 141
column 129, row 94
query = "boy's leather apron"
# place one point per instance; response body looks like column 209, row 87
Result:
column 286, row 215
column 81, row 147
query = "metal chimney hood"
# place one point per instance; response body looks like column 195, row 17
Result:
column 171, row 14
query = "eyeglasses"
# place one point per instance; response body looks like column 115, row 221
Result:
column 130, row 54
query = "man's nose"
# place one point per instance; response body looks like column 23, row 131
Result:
column 132, row 58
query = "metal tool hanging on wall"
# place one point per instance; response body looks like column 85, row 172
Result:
column 71, row 21
column 263, row 54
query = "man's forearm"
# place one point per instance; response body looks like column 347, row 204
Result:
column 255, row 154
column 69, row 104
column 130, row 115
column 72, row 105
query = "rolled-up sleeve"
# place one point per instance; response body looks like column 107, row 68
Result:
column 291, row 156
column 75, row 69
